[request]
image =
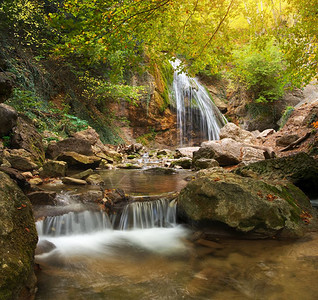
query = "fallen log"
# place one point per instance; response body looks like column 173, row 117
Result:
column 297, row 142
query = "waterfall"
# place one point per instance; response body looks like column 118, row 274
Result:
column 196, row 112
column 137, row 215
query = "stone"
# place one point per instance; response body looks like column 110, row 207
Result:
column 286, row 140
column 8, row 119
column 26, row 136
column 300, row 169
column 54, row 168
column 18, row 239
column 17, row 177
column 159, row 170
column 88, row 196
column 250, row 206
column 7, row 80
column 129, row 166
column 205, row 163
column 44, row 246
column 27, row 175
column 42, row 198
column 104, row 164
column 83, row 175
column 184, row 163
column 77, row 145
column 22, row 160
column 77, row 160
column 250, row 154
column 113, row 156
column 185, row 152
column 73, row 181
column 164, row 152
column 89, row 135
column 230, row 130
column 264, row 134
column 36, row 181
column 95, row 179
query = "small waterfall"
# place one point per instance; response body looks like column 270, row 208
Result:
column 196, row 112
column 137, row 215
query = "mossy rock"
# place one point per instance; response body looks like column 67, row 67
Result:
column 18, row 238
column 246, row 205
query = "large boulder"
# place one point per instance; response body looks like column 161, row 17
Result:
column 18, row 240
column 185, row 151
column 26, row 136
column 228, row 152
column 247, row 205
column 234, row 132
column 300, row 169
column 73, row 144
column 54, row 168
column 8, row 119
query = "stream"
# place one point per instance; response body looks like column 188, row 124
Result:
column 145, row 254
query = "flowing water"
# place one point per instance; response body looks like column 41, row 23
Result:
column 196, row 112
column 144, row 254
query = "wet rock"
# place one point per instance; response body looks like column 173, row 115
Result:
column 77, row 160
column 89, row 196
column 18, row 240
column 159, row 170
column 26, row 136
column 184, row 163
column 104, row 164
column 76, row 145
column 286, row 140
column 247, row 205
column 129, row 166
column 73, row 181
column 164, row 152
column 205, row 163
column 36, row 181
column 42, row 198
column 232, row 131
column 21, row 159
column 8, row 119
column 44, row 246
column 54, row 168
column 94, row 179
column 7, row 80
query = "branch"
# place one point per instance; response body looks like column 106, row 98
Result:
column 292, row 145
column 218, row 27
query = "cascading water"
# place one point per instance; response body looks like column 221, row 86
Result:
column 196, row 112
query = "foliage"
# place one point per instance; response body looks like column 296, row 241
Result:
column 147, row 138
column 286, row 114
column 260, row 71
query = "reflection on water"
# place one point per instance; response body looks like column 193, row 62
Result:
column 141, row 182
column 160, row 264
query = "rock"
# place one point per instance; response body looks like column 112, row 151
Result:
column 89, row 135
column 27, row 175
column 248, row 205
column 104, row 164
column 185, row 152
column 17, row 177
column 8, row 119
column 54, row 168
column 42, row 198
column 232, row 131
column 73, row 181
column 77, row 145
column 18, row 238
column 22, row 160
column 44, row 246
column 229, row 152
column 89, row 196
column 7, row 80
column 95, row 179
column 26, row 136
column 113, row 156
column 84, row 174
column 286, row 140
column 184, row 162
column 77, row 160
column 205, row 163
column 264, row 134
column 36, row 181
column 159, row 170
column 129, row 166
column 164, row 152
column 300, row 169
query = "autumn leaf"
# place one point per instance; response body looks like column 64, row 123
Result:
column 270, row 197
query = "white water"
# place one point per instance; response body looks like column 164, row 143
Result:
column 147, row 225
column 190, row 97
